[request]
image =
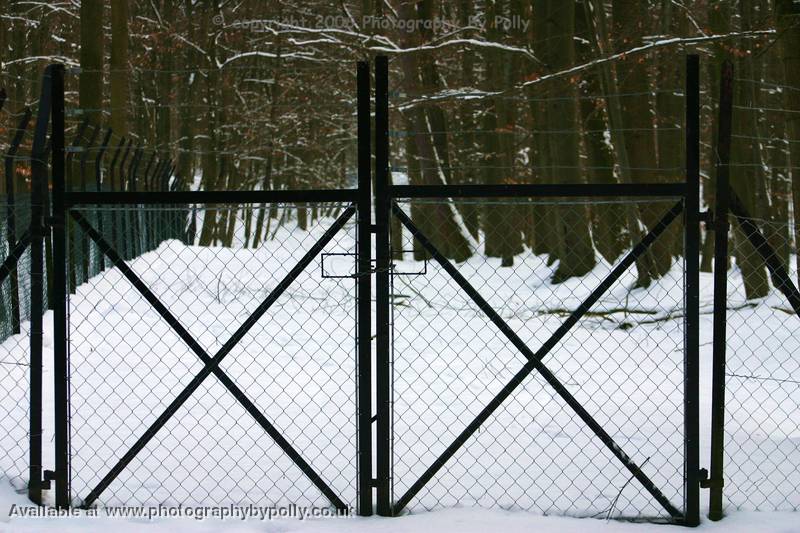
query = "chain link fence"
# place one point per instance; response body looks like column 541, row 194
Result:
column 295, row 364
column 762, row 382
column 15, row 314
column 623, row 361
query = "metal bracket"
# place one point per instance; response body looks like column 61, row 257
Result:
column 707, row 216
column 49, row 475
column 707, row 483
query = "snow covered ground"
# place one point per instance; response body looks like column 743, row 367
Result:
column 461, row 520
column 624, row 362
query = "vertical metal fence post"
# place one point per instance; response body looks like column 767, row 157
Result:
column 98, row 183
column 364, row 291
column 692, row 238
column 723, row 156
column 38, row 178
column 60, row 354
column 382, row 287
column 38, row 181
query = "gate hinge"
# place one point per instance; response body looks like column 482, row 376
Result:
column 49, row 475
column 707, row 216
column 708, row 483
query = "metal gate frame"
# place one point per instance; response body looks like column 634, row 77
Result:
column 359, row 201
column 385, row 207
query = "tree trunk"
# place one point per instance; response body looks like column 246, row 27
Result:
column 465, row 140
column 544, row 237
column 788, row 22
column 747, row 177
column 670, row 109
column 210, row 164
column 503, row 236
column 91, row 57
column 778, row 230
column 719, row 17
column 608, row 220
column 576, row 257
column 442, row 225
column 598, row 36
column 164, row 83
column 120, row 96
column 187, row 88
column 630, row 18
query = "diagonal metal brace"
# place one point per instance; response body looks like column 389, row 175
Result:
column 212, row 364
column 535, row 360
column 780, row 277
column 16, row 252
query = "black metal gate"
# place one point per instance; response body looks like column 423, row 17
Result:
column 454, row 408
column 144, row 317
column 134, row 402
column 133, row 383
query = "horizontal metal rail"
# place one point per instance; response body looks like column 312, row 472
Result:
column 575, row 190
column 209, row 197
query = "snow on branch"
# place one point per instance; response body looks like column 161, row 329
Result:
column 68, row 61
column 661, row 43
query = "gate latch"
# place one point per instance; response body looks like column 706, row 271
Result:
column 326, row 274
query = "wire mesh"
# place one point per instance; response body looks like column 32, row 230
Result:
column 15, row 314
column 296, row 363
column 762, row 382
column 623, row 360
